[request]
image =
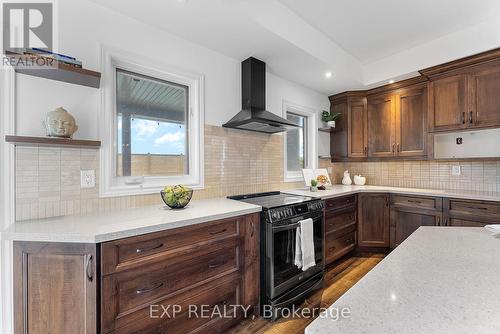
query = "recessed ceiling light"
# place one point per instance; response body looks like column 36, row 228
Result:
column 328, row 74
column 391, row 81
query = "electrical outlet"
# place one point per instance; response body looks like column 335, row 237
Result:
column 87, row 178
column 455, row 170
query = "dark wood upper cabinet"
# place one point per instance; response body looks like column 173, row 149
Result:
column 465, row 93
column 349, row 140
column 484, row 87
column 357, row 128
column 381, row 126
column 448, row 103
column 411, row 134
column 338, row 138
column 373, row 220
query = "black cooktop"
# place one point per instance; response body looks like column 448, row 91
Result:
column 272, row 199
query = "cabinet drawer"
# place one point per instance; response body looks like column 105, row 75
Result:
column 130, row 252
column 337, row 245
column 336, row 221
column 476, row 208
column 216, row 295
column 127, row 290
column 432, row 203
column 340, row 203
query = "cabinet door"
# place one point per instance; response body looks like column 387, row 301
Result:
column 381, row 123
column 404, row 223
column 338, row 138
column 358, row 129
column 448, row 103
column 373, row 220
column 411, row 132
column 485, row 92
column 54, row 288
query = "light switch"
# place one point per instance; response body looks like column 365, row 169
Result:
column 87, row 178
column 455, row 170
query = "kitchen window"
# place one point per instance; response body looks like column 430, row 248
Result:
column 300, row 142
column 154, row 131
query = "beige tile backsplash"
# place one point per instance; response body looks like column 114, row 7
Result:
column 48, row 179
column 481, row 175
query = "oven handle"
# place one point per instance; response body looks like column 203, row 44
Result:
column 294, row 225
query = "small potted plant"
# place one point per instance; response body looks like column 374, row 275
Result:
column 314, row 185
column 330, row 118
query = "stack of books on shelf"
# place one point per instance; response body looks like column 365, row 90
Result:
column 60, row 58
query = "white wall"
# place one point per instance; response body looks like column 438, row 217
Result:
column 85, row 26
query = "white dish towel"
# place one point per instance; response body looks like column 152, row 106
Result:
column 495, row 229
column 304, row 245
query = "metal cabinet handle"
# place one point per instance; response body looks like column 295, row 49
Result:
column 414, row 201
column 348, row 241
column 397, row 147
column 218, row 232
column 216, row 264
column 476, row 208
column 438, row 220
column 331, row 249
column 477, row 117
column 470, row 118
column 463, row 118
column 88, row 267
column 156, row 286
column 393, row 147
column 147, row 249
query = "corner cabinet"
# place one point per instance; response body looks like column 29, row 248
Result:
column 117, row 286
column 349, row 141
column 373, row 220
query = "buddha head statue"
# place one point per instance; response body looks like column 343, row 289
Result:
column 60, row 123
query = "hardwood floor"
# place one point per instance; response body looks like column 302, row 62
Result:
column 339, row 278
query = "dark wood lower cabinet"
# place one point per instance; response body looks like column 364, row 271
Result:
column 469, row 213
column 55, row 288
column 373, row 220
column 125, row 286
column 408, row 213
column 340, row 227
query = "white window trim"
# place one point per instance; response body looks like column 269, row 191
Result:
column 311, row 141
column 109, row 184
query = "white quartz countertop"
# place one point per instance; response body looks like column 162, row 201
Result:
column 108, row 226
column 341, row 190
column 439, row 280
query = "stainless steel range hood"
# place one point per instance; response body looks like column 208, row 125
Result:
column 253, row 115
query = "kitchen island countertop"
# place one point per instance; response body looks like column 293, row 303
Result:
column 439, row 280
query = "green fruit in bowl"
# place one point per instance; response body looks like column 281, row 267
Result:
column 176, row 197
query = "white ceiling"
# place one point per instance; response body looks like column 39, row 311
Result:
column 302, row 39
column 370, row 30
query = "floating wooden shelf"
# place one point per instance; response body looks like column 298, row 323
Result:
column 57, row 71
column 328, row 129
column 50, row 141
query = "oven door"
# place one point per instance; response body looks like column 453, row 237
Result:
column 283, row 274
